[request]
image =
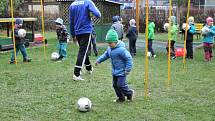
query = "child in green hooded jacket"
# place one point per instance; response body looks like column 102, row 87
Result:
column 151, row 36
column 173, row 29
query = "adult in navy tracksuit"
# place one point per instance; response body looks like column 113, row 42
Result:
column 81, row 28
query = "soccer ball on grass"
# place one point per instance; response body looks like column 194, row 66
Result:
column 54, row 56
column 84, row 104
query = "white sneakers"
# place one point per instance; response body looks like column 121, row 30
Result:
column 77, row 78
column 91, row 71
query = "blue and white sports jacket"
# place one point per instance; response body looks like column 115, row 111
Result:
column 80, row 20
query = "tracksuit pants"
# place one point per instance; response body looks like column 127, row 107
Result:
column 150, row 49
column 189, row 48
column 19, row 47
column 208, row 49
column 121, row 87
column 83, row 56
column 132, row 46
column 62, row 49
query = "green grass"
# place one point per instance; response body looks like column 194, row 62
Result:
column 44, row 90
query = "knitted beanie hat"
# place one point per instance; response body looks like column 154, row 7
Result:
column 19, row 21
column 209, row 19
column 111, row 36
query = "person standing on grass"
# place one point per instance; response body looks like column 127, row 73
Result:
column 208, row 33
column 63, row 38
column 189, row 40
column 173, row 29
column 19, row 43
column 132, row 36
column 121, row 61
column 151, row 36
column 93, row 42
column 117, row 26
column 81, row 29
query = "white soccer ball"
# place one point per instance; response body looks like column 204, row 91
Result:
column 184, row 26
column 205, row 30
column 166, row 26
column 55, row 56
column 22, row 33
column 84, row 104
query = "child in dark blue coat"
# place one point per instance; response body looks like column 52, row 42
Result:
column 132, row 36
column 19, row 43
column 189, row 40
column 121, row 65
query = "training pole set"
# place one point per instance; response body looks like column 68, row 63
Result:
column 13, row 20
column 168, row 82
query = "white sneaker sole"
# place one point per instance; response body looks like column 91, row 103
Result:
column 75, row 78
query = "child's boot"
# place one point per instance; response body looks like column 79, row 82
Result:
column 12, row 61
column 130, row 97
column 119, row 100
column 27, row 60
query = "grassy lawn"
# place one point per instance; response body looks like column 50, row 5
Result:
column 43, row 90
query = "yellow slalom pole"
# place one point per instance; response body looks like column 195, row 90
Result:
column 2, row 21
column 185, row 36
column 14, row 42
column 146, row 51
column 43, row 28
column 5, row 37
column 137, row 14
column 169, row 37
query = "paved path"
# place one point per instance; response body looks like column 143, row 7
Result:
column 161, row 46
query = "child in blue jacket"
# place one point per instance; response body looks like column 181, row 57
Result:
column 121, row 65
column 63, row 38
column 189, row 40
column 208, row 32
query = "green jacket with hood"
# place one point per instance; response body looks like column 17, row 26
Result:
column 151, row 30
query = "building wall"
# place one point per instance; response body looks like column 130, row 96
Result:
column 209, row 4
column 53, row 9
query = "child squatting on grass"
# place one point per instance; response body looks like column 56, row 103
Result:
column 208, row 33
column 121, row 65
column 19, row 43
column 63, row 38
